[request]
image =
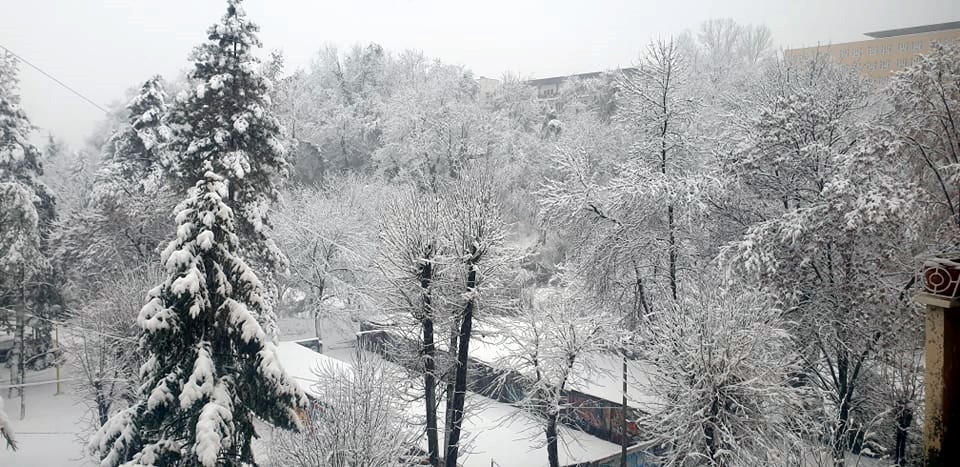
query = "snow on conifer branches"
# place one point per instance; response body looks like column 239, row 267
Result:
column 211, row 368
column 19, row 159
column 203, row 396
column 223, row 120
column 135, row 152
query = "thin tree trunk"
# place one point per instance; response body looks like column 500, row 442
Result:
column 623, row 419
column 21, row 359
column 449, row 376
column 844, row 394
column 103, row 407
column 430, row 367
column 673, row 252
column 430, row 386
column 316, row 315
column 553, row 455
column 904, row 420
column 709, row 430
column 460, row 383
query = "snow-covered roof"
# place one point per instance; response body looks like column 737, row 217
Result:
column 492, row 430
column 605, row 380
column 504, row 434
column 302, row 364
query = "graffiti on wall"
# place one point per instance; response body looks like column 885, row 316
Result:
column 601, row 417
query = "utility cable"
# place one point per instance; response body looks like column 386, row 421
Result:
column 55, row 80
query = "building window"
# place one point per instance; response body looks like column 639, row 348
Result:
column 871, row 51
column 918, row 45
column 903, row 46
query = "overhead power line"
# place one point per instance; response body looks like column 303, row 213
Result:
column 55, row 80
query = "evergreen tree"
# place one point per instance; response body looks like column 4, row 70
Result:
column 26, row 213
column 224, row 121
column 210, row 366
column 133, row 154
column 19, row 159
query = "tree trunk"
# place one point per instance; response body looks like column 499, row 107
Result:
column 317, row 313
column 103, row 407
column 623, row 419
column 904, row 420
column 673, row 252
column 672, row 240
column 460, row 382
column 449, row 375
column 21, row 359
column 430, row 387
column 844, row 393
column 430, row 367
column 553, row 455
column 709, row 431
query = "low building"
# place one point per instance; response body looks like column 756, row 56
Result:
column 494, row 433
column 886, row 51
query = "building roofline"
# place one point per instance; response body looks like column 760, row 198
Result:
column 559, row 79
column 913, row 30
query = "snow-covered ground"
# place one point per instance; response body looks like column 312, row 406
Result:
column 51, row 432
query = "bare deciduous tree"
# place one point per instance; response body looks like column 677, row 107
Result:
column 358, row 420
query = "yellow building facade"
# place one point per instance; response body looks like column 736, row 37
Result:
column 886, row 51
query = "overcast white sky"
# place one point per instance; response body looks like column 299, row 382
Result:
column 102, row 47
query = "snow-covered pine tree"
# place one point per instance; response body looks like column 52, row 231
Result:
column 26, row 212
column 224, row 119
column 19, row 159
column 211, row 368
column 19, row 168
column 133, row 153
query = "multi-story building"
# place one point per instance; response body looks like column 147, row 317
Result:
column 886, row 51
column 487, row 86
column 547, row 88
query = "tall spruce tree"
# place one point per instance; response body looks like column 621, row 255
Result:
column 211, row 368
column 225, row 120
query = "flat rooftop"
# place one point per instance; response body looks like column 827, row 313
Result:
column 913, row 30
